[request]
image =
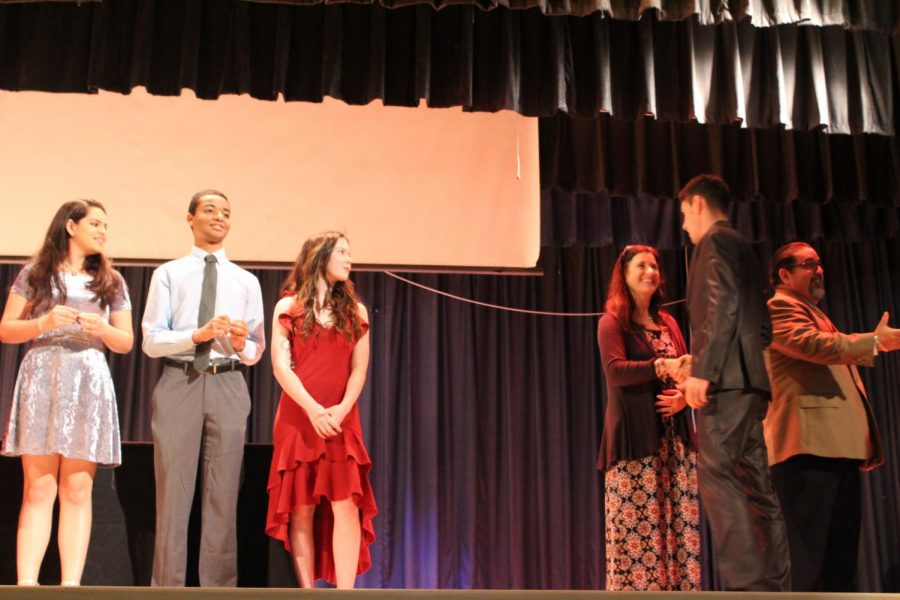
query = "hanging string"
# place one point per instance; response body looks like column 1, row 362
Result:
column 543, row 313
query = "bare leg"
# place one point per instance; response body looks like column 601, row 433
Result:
column 302, row 544
column 36, row 517
column 346, row 542
column 76, row 482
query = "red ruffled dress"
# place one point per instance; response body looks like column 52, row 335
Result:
column 307, row 469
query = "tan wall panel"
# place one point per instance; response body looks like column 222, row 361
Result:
column 418, row 186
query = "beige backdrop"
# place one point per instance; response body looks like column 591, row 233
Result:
column 430, row 187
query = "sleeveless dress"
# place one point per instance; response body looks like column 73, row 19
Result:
column 307, row 469
column 64, row 400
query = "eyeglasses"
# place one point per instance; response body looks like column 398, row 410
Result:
column 810, row 264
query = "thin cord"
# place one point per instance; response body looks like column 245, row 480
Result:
column 543, row 313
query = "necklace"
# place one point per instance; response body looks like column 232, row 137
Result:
column 68, row 269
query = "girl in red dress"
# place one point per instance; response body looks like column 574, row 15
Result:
column 320, row 502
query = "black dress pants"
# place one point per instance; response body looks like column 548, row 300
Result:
column 750, row 545
column 821, row 500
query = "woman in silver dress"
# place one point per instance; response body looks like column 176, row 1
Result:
column 70, row 304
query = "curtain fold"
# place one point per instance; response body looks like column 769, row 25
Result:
column 801, row 77
column 860, row 14
column 609, row 181
column 855, row 14
column 623, row 158
column 597, row 220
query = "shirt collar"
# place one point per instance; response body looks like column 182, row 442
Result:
column 200, row 254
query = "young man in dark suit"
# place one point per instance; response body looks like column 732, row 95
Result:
column 729, row 389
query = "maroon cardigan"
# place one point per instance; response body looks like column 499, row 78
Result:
column 632, row 428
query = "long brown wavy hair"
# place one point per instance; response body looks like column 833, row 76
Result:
column 341, row 298
column 619, row 301
column 45, row 271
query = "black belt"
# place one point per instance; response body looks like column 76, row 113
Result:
column 214, row 368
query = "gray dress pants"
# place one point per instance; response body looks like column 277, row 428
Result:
column 196, row 415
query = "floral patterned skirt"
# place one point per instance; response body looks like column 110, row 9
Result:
column 653, row 521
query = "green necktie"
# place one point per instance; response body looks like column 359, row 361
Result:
column 207, row 309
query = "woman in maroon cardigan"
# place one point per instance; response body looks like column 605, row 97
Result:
column 652, row 510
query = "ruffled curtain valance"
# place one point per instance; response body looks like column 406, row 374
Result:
column 801, row 77
column 607, row 181
column 624, row 158
column 855, row 14
column 880, row 15
column 599, row 220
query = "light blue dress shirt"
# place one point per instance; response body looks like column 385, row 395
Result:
column 173, row 303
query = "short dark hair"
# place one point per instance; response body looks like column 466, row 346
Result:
column 782, row 259
column 195, row 199
column 713, row 189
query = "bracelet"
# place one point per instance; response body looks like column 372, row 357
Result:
column 876, row 348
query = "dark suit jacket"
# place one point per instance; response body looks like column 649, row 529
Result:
column 632, row 428
column 729, row 321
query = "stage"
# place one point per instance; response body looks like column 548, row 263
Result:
column 144, row 593
column 120, row 555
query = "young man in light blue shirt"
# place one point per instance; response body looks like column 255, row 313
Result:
column 204, row 317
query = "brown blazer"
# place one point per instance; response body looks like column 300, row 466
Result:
column 819, row 404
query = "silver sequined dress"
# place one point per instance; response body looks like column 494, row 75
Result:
column 64, row 400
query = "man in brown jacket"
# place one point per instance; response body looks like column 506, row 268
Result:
column 820, row 430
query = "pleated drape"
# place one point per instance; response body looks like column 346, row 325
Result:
column 801, row 77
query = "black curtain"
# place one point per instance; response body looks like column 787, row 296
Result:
column 484, row 425
column 857, row 14
column 799, row 76
column 645, row 156
column 609, row 181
